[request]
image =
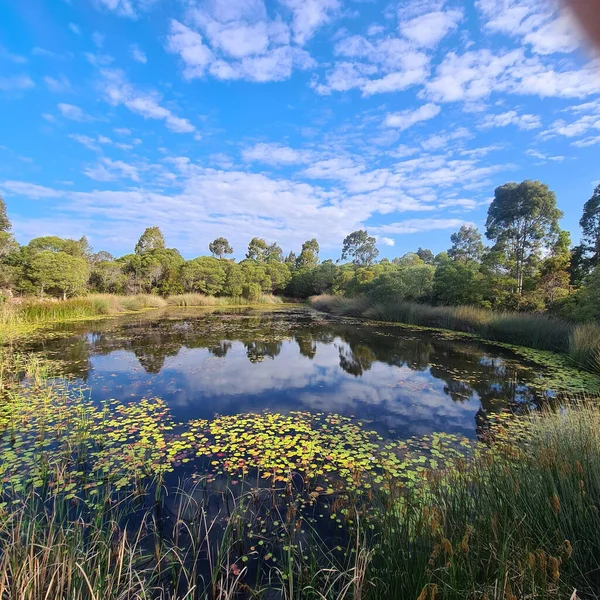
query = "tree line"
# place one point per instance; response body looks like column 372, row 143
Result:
column 528, row 263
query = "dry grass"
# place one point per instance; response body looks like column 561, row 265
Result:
column 203, row 300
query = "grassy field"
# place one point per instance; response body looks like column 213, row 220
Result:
column 580, row 342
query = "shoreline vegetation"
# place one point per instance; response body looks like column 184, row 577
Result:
column 513, row 515
column 579, row 342
column 22, row 315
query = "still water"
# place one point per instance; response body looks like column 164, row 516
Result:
column 207, row 362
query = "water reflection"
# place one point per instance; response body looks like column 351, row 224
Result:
column 205, row 363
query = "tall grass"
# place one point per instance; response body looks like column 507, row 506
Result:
column 42, row 311
column 542, row 332
column 203, row 300
column 520, row 520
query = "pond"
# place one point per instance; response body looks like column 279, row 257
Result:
column 208, row 362
column 228, row 442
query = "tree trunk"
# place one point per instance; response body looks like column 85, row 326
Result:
column 64, row 295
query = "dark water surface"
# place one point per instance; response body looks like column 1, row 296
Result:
column 205, row 362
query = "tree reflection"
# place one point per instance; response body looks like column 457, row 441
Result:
column 469, row 370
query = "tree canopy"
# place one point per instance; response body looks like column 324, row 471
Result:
column 522, row 220
column 360, row 247
column 220, row 247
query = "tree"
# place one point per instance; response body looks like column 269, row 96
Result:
column 204, row 274
column 457, row 282
column 426, row 255
column 78, row 248
column 4, row 220
column 291, row 259
column 467, row 244
column 522, row 220
column 234, row 279
column 257, row 250
column 107, row 277
column 274, row 253
column 360, row 247
column 554, row 284
column 151, row 239
column 101, row 256
column 309, row 256
column 220, row 247
column 590, row 224
column 58, row 272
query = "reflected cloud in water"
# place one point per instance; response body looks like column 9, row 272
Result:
column 204, row 363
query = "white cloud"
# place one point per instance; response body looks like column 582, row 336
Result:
column 85, row 140
column 58, row 84
column 440, row 141
column 232, row 48
column 137, row 54
column 538, row 24
column 118, row 91
column 477, row 74
column 386, row 241
column 16, row 58
column 72, row 112
column 429, row 29
column 545, row 157
column 123, row 131
column 110, row 170
column 189, row 45
column 275, row 154
column 29, row 190
column 384, row 65
column 419, row 226
column 512, row 117
column 125, row 8
column 16, row 83
column 310, row 15
column 407, row 118
column 586, row 142
column 75, row 28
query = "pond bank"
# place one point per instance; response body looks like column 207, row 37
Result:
column 21, row 317
column 581, row 343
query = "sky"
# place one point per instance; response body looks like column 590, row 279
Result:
column 288, row 119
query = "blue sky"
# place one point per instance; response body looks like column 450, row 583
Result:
column 288, row 119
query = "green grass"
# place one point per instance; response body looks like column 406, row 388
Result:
column 541, row 332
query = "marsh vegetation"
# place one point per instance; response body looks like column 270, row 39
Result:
column 367, row 461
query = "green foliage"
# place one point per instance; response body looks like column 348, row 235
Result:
column 590, row 225
column 458, row 282
column 522, row 219
column 467, row 245
column 220, row 247
column 257, row 250
column 360, row 247
column 205, row 274
column 411, row 282
column 309, row 256
column 58, row 273
column 151, row 239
